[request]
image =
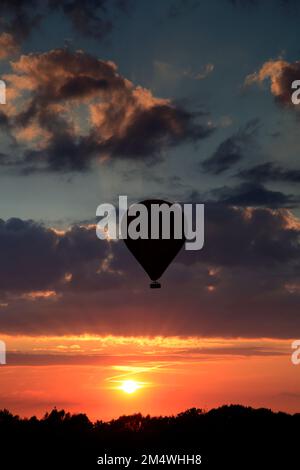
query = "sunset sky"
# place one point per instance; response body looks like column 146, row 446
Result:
column 186, row 101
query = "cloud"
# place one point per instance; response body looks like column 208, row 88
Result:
column 281, row 75
column 254, row 194
column 8, row 46
column 207, row 70
column 122, row 120
column 94, row 19
column 247, row 237
column 19, row 17
column 42, row 358
column 238, row 285
column 38, row 261
column 169, row 72
column 232, row 149
column 269, row 172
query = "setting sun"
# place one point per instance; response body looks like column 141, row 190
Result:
column 129, row 386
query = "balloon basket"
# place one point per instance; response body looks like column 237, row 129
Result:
column 155, row 285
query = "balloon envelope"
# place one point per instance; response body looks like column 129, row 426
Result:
column 155, row 255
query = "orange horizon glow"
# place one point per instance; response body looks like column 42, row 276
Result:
column 108, row 376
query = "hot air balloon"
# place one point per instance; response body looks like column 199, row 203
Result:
column 155, row 254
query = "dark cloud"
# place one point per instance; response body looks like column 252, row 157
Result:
column 93, row 18
column 55, row 358
column 153, row 129
column 34, row 257
column 5, row 123
column 42, row 257
column 254, row 194
column 270, row 172
column 7, row 129
column 19, row 17
column 232, row 150
column 64, row 152
column 254, row 237
column 247, row 274
column 148, row 132
column 21, row 269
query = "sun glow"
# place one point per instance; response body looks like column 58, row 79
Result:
column 129, row 386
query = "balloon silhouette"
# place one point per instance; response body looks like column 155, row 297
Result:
column 155, row 255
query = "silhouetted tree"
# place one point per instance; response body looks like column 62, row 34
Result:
column 231, row 436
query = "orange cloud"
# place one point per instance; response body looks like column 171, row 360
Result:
column 36, row 295
column 80, row 108
column 281, row 75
